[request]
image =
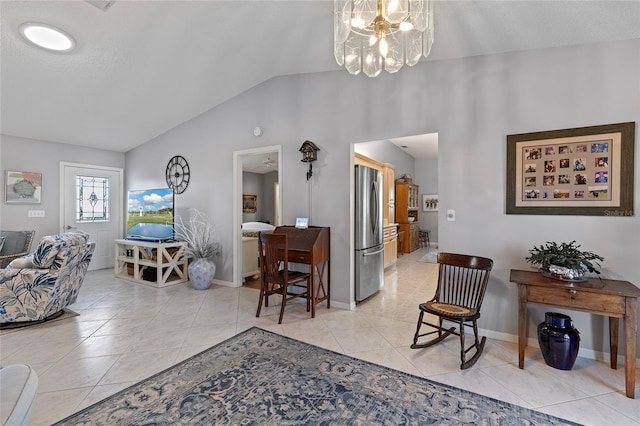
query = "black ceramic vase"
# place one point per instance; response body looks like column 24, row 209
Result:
column 559, row 341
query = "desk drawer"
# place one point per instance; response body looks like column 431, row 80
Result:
column 574, row 298
column 300, row 257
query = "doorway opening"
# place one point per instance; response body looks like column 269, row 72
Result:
column 424, row 150
column 257, row 203
column 415, row 157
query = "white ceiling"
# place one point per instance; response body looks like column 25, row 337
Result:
column 423, row 147
column 260, row 163
column 143, row 67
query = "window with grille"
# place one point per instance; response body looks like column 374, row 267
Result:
column 92, row 195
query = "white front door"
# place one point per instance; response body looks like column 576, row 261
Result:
column 92, row 202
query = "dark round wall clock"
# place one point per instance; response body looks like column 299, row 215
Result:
column 178, row 174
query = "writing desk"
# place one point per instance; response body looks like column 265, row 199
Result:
column 611, row 298
column 312, row 246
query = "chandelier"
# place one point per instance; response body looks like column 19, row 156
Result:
column 370, row 35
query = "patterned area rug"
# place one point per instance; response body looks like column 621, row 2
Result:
column 261, row 378
column 430, row 257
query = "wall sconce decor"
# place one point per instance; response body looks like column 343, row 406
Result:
column 309, row 154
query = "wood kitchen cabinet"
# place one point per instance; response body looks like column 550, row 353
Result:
column 414, row 236
column 411, row 239
column 390, row 245
column 406, row 207
column 388, row 194
column 388, row 185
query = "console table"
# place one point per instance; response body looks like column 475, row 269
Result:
column 612, row 298
column 167, row 260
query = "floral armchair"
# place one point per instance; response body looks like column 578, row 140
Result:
column 40, row 285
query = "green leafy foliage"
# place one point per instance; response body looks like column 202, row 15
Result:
column 567, row 255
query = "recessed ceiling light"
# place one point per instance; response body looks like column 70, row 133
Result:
column 47, row 37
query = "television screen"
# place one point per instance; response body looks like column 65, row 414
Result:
column 150, row 214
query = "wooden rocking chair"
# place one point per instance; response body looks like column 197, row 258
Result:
column 462, row 281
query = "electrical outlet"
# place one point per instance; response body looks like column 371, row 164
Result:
column 36, row 213
column 451, row 215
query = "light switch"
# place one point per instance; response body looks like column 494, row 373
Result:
column 451, row 215
column 36, row 213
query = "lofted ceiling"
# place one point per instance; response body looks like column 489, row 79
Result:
column 143, row 67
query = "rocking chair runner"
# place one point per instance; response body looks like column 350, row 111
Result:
column 462, row 281
column 275, row 277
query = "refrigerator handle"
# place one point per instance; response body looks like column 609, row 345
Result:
column 374, row 252
column 374, row 201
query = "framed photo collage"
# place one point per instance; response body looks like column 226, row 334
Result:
column 582, row 171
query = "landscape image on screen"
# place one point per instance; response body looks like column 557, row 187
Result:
column 150, row 214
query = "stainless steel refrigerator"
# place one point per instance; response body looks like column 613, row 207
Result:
column 369, row 247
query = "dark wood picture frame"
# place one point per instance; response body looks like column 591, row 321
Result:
column 599, row 160
column 249, row 203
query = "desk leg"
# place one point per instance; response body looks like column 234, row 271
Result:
column 630, row 329
column 311, row 295
column 614, row 326
column 319, row 269
column 522, row 323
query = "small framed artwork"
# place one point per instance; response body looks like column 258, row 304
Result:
column 583, row 171
column 430, row 202
column 23, row 188
column 249, row 203
column 302, row 222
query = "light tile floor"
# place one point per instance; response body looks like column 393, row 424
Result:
column 126, row 332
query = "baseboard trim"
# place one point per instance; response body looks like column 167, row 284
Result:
column 345, row 306
column 533, row 342
column 224, row 283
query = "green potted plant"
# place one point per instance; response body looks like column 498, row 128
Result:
column 198, row 233
column 564, row 261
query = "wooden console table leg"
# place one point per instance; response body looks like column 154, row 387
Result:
column 630, row 329
column 522, row 323
column 614, row 326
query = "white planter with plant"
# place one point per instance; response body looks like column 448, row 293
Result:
column 564, row 261
column 198, row 233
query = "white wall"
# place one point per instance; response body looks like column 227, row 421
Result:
column 261, row 185
column 386, row 152
column 473, row 104
column 267, row 206
column 423, row 172
column 31, row 155
column 426, row 175
column 252, row 185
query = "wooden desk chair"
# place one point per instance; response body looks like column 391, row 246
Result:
column 275, row 277
column 462, row 281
